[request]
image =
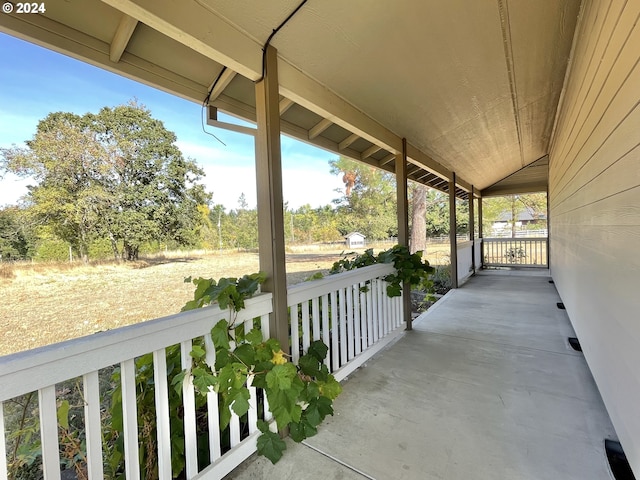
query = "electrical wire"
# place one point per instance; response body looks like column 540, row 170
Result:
column 206, row 101
column 264, row 66
column 273, row 33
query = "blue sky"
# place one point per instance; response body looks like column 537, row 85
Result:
column 35, row 81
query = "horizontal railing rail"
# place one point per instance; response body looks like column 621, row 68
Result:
column 515, row 252
column 350, row 312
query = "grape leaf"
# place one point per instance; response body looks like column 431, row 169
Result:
column 220, row 335
column 281, row 376
column 300, row 431
column 271, row 446
column 318, row 350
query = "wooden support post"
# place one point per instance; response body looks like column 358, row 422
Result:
column 403, row 222
column 480, row 231
column 452, row 231
column 548, row 231
column 472, row 229
column 270, row 202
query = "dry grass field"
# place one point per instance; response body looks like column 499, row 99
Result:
column 47, row 303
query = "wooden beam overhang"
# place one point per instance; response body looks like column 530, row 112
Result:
column 203, row 30
column 221, row 83
column 318, row 128
column 121, row 38
column 285, row 104
column 348, row 141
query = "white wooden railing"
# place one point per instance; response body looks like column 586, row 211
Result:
column 465, row 260
column 515, row 252
column 41, row 369
column 350, row 312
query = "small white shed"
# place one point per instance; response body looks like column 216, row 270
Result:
column 354, row 240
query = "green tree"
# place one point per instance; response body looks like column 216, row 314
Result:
column 63, row 157
column 17, row 238
column 368, row 204
column 243, row 226
column 116, row 174
column 508, row 208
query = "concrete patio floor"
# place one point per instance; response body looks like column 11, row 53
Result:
column 486, row 386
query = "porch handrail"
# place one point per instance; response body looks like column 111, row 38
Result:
column 27, row 371
column 515, row 252
column 350, row 312
column 41, row 369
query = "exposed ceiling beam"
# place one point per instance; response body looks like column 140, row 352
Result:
column 498, row 190
column 201, row 28
column 348, row 141
column 370, row 151
column 319, row 127
column 388, row 159
column 221, row 83
column 121, row 38
column 285, row 104
column 420, row 158
column 248, row 112
column 58, row 37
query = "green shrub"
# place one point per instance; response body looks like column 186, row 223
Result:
column 52, row 250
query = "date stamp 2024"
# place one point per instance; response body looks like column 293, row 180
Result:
column 24, row 7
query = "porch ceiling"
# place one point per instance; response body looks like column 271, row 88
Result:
column 472, row 85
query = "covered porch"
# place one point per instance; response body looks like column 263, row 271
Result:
column 461, row 96
column 486, row 386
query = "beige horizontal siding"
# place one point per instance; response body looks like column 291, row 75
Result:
column 594, row 193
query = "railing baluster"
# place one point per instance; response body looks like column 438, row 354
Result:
column 3, row 448
column 363, row 316
column 163, row 422
column 380, row 309
column 91, row 391
column 315, row 317
column 377, row 327
column 49, row 432
column 370, row 310
column 234, row 429
column 264, row 326
column 325, row 327
column 343, row 327
column 350, row 339
column 387, row 311
column 252, row 414
column 306, row 334
column 189, row 405
column 213, row 412
column 130, row 419
column 253, row 408
column 295, row 335
column 335, row 327
column 356, row 319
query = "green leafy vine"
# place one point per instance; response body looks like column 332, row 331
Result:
column 409, row 268
column 300, row 396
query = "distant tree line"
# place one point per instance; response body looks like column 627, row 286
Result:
column 114, row 184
